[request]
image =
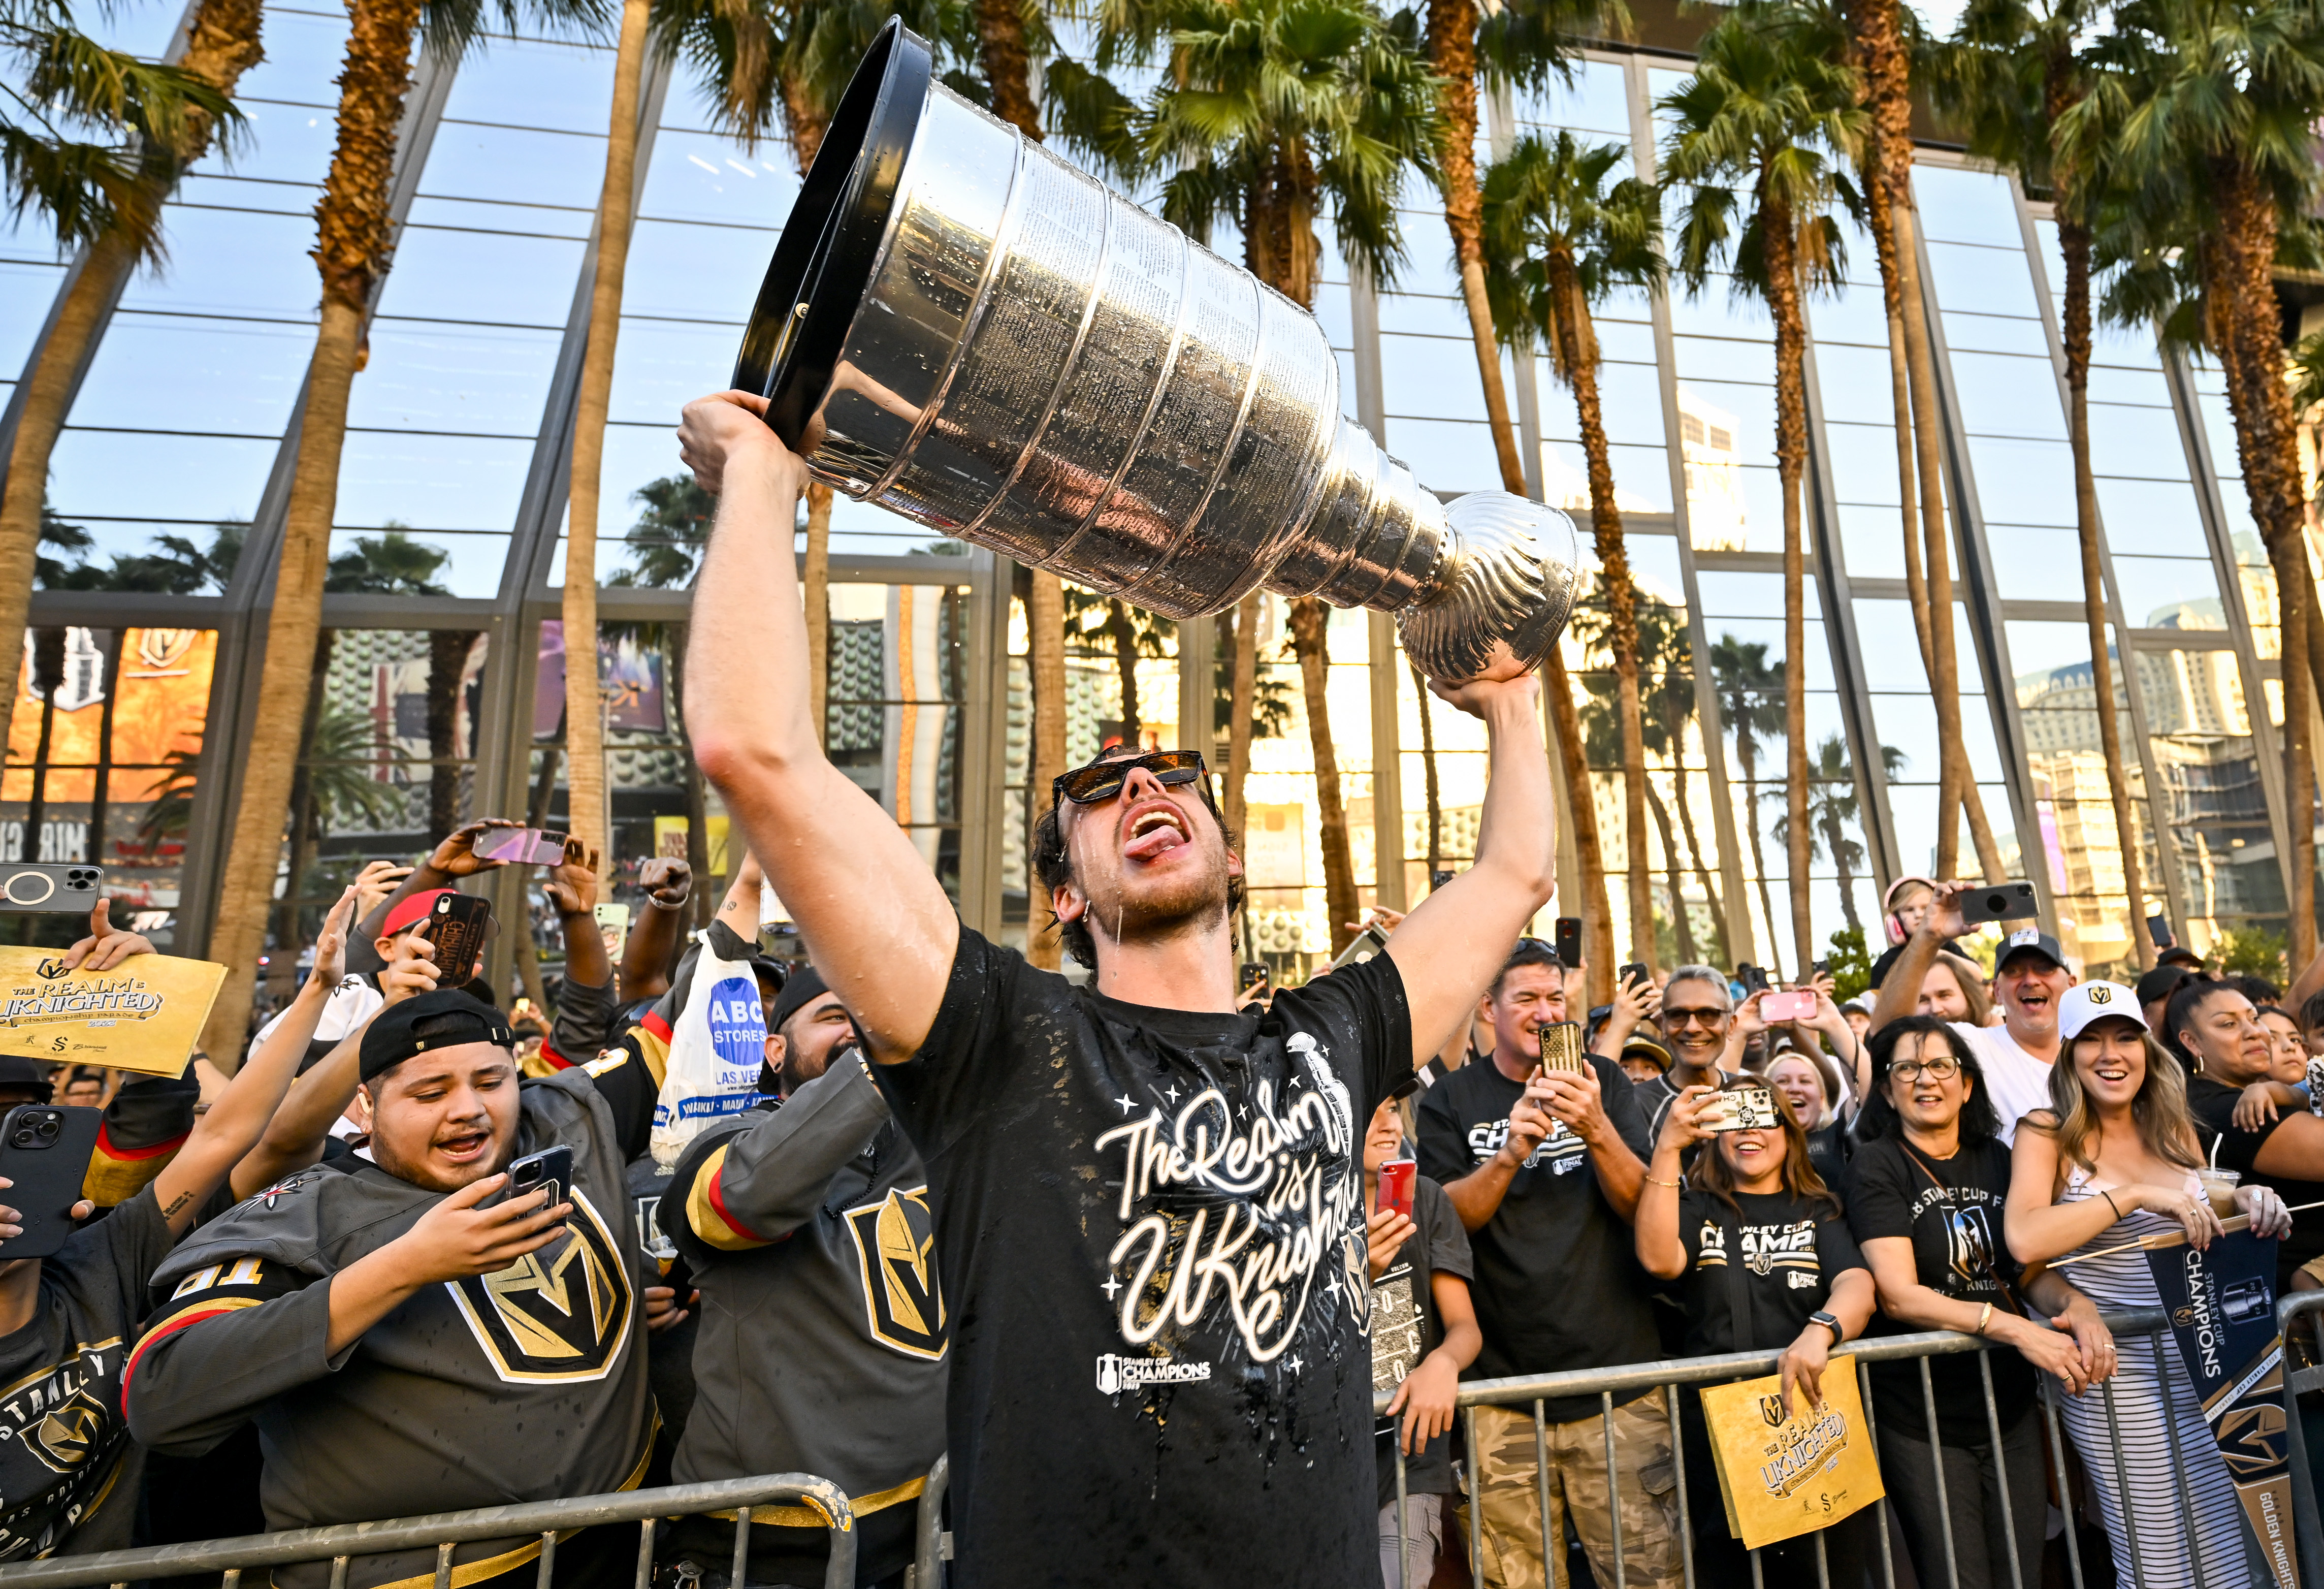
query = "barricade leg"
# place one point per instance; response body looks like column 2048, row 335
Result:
column 1937, row 1466
column 2000, row 1470
column 1685, row 1541
column 645, row 1554
column 1872, row 1433
column 2049, row 1397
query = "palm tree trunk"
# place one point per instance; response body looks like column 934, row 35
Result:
column 584, row 766
column 2074, row 244
column 448, row 658
column 1428, row 777
column 1124, row 635
column 1681, row 924
column 1676, row 729
column 701, row 903
column 222, row 43
column 1001, row 51
column 1045, row 633
column 351, row 252
column 1886, row 67
column 2246, row 321
column 1578, row 340
column 1582, row 805
column 1242, row 704
column 47, row 677
column 1780, row 242
column 1836, row 837
column 1310, row 621
column 815, row 590
column 1452, row 57
column 1747, row 757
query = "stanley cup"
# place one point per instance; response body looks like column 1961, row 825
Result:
column 965, row 329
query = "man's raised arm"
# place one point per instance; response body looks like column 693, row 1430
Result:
column 1449, row 949
column 875, row 921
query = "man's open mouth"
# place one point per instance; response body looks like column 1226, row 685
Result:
column 1154, row 831
column 465, row 1147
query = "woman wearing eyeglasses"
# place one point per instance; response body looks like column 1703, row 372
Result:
column 1929, row 1183
column 2112, row 1160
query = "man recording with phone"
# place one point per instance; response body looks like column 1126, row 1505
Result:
column 69, row 1472
column 1542, row 1166
column 2030, row 976
column 1698, row 1024
column 1112, row 1419
column 345, row 1307
column 808, row 1230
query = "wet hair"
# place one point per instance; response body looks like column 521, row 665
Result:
column 1052, row 863
column 1711, row 1173
column 1529, row 952
column 1877, row 1118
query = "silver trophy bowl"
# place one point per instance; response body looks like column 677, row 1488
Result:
column 966, row 330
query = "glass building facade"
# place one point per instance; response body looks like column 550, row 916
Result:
column 440, row 691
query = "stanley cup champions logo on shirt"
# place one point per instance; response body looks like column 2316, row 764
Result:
column 1241, row 1221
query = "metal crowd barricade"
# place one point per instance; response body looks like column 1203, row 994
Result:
column 1671, row 1376
column 443, row 1531
column 2289, row 1311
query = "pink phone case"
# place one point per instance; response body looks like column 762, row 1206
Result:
column 1395, row 1189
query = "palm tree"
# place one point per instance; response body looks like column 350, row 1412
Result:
column 1877, row 37
column 2011, row 71
column 1131, row 632
column 1671, row 701
column 1435, row 795
column 103, row 195
column 1833, row 808
column 1561, row 240
column 351, row 252
column 1769, row 113
column 1242, row 700
column 1268, row 111
column 1748, row 688
column 2196, row 123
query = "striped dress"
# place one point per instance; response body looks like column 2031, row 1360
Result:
column 2150, row 1377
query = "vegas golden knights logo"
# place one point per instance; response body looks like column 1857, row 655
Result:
column 1771, row 1408
column 903, row 1303
column 558, row 1314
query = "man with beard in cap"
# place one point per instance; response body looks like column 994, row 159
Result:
column 406, row 1340
column 808, row 1230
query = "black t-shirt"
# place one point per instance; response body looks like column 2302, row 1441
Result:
column 68, row 1471
column 1793, row 1250
column 1558, row 1281
column 2213, row 1105
column 1150, row 1229
column 1406, row 1329
column 1952, row 1210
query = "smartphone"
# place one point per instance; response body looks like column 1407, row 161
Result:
column 29, row 887
column 1753, row 978
column 1437, row 880
column 1795, row 1006
column 1561, row 1047
column 1634, row 973
column 1741, row 1109
column 551, row 1167
column 613, row 926
column 458, row 927
column 1254, row 974
column 1361, row 949
column 1395, row 1189
column 2004, row 901
column 2158, row 928
column 1568, row 940
column 44, row 1152
column 521, row 846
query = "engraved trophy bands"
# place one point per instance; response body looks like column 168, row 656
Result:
column 964, row 328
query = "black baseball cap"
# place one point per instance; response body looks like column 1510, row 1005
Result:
column 443, row 1019
column 2161, row 982
column 2180, row 955
column 19, row 1074
column 804, row 988
column 2029, row 940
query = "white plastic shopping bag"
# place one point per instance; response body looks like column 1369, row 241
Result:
column 717, row 1046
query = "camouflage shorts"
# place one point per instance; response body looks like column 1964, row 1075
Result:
column 1645, row 1476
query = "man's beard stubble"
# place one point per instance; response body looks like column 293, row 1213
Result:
column 1187, row 905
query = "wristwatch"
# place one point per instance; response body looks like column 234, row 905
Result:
column 1830, row 1323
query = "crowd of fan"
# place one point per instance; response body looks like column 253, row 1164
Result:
column 248, row 1336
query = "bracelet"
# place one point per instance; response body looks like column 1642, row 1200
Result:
column 1983, row 1319
column 2111, row 1203
column 1673, row 1186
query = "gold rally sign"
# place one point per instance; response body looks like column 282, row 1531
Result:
column 143, row 1016
column 1783, row 1476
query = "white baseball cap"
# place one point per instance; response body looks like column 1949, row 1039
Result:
column 2094, row 1000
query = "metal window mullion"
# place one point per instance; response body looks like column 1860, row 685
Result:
column 1711, row 723
column 983, row 729
column 2126, row 663
column 1976, row 585
column 1838, row 599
